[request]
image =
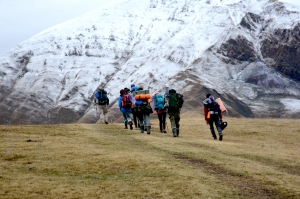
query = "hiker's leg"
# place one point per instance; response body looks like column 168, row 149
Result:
column 160, row 118
column 129, row 119
column 101, row 114
column 211, row 126
column 217, row 123
column 105, row 113
column 133, row 111
column 141, row 122
column 177, row 119
column 173, row 123
column 218, row 126
column 125, row 119
column 164, row 121
column 147, row 122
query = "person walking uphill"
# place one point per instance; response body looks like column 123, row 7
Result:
column 102, row 101
column 212, row 114
column 125, row 104
column 159, row 102
column 133, row 91
column 175, row 102
column 144, row 109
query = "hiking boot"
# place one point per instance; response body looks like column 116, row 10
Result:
column 135, row 126
column 106, row 122
column 221, row 137
column 148, row 129
column 142, row 129
column 174, row 130
column 130, row 125
column 126, row 126
column 164, row 131
column 215, row 137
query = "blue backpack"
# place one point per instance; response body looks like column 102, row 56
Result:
column 159, row 102
column 102, row 97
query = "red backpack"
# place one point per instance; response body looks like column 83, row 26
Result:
column 126, row 101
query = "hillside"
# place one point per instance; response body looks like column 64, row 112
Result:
column 258, row 158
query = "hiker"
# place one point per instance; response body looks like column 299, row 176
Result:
column 124, row 103
column 212, row 114
column 174, row 104
column 158, row 101
column 102, row 101
column 144, row 110
column 133, row 109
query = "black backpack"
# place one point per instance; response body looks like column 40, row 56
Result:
column 214, row 107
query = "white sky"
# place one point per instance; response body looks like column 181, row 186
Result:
column 22, row 19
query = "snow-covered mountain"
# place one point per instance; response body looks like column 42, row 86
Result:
column 246, row 52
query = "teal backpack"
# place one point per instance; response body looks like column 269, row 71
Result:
column 159, row 102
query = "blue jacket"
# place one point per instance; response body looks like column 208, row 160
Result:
column 122, row 109
column 134, row 88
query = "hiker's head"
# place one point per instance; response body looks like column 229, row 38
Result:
column 211, row 97
column 172, row 91
column 140, row 88
column 100, row 89
column 132, row 85
column 122, row 92
column 208, row 95
column 127, row 90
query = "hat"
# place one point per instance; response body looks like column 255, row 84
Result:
column 207, row 95
column 122, row 91
column 132, row 85
column 127, row 90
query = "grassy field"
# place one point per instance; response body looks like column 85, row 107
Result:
column 258, row 158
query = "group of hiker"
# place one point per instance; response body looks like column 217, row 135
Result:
column 136, row 106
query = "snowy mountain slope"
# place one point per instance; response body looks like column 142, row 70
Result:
column 243, row 51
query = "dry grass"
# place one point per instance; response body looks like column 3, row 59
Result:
column 258, row 158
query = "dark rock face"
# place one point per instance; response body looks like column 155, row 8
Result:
column 251, row 21
column 239, row 49
column 283, row 47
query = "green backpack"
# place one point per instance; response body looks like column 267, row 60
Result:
column 173, row 101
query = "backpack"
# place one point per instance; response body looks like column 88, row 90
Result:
column 102, row 97
column 179, row 100
column 145, row 108
column 159, row 102
column 214, row 107
column 126, row 101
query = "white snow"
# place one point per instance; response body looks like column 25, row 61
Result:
column 291, row 105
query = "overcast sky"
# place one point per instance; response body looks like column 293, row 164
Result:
column 22, row 19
